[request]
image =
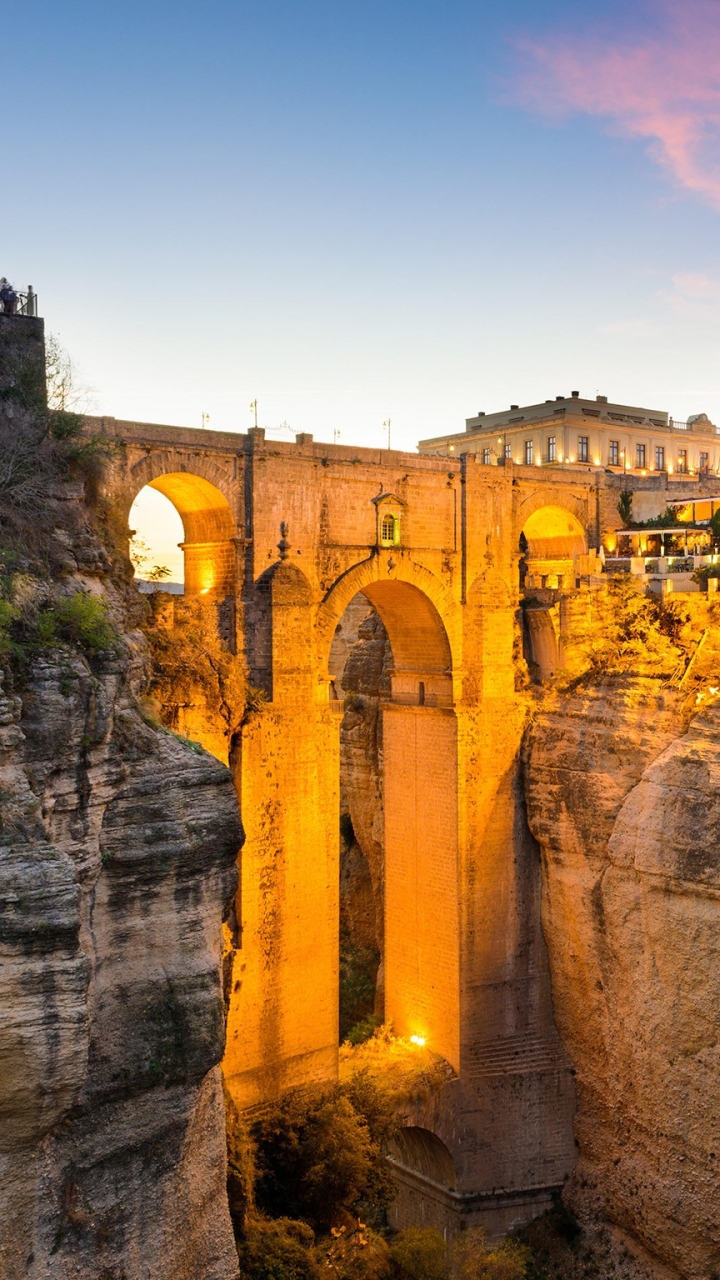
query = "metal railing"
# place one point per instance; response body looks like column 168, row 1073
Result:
column 26, row 304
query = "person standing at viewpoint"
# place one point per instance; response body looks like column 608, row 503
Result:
column 8, row 297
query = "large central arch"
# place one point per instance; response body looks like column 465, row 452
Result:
column 420, row 778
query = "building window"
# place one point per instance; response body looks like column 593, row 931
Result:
column 486, row 457
column 614, row 453
column 704, row 460
column 388, row 531
column 659, row 457
column 508, row 452
column 682, row 461
column 640, row 455
column 551, row 449
column 528, row 453
column 583, row 448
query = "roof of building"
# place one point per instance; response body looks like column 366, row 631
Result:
column 562, row 407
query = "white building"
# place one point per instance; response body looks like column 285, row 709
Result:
column 570, row 431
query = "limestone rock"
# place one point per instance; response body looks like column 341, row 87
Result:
column 118, row 850
column 625, row 805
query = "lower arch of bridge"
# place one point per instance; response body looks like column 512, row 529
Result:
column 208, row 527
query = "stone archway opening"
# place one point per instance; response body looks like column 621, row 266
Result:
column 203, row 560
column 391, row 664
column 553, row 544
column 156, row 537
column 551, row 541
column 360, row 665
column 425, row 1177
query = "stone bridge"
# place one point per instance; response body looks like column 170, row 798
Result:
column 282, row 537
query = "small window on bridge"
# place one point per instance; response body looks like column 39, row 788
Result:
column 389, row 531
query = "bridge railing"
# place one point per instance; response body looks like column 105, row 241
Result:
column 26, row 303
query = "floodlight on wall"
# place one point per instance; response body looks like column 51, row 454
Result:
column 420, row 1041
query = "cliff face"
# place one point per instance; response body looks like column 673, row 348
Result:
column 118, row 860
column 624, row 803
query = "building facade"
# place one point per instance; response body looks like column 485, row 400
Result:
column 570, row 431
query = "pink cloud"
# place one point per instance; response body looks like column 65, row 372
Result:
column 663, row 87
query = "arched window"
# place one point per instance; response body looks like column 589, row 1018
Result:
column 387, row 531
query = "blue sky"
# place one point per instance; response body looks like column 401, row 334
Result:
column 356, row 212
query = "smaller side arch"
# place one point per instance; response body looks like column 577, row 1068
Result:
column 422, row 1152
column 564, row 500
column 208, row 525
column 551, row 529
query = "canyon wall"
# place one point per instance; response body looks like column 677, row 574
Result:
column 622, row 792
column 118, row 861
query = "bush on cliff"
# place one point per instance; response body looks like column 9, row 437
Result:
column 33, row 619
column 277, row 1250
column 321, row 1157
column 358, row 980
column 356, row 1253
column 421, row 1253
column 475, row 1259
column 311, row 1160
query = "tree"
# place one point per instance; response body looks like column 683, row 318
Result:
column 312, row 1159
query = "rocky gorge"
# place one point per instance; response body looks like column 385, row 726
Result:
column 119, row 842
column 118, row 862
column 622, row 796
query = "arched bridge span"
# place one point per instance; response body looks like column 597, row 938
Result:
column 283, row 537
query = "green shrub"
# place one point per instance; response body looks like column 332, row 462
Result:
column 624, row 506
column 378, row 1109
column 360, row 1254
column 358, row 980
column 82, row 620
column 8, row 615
column 312, row 1159
column 421, row 1253
column 318, row 1157
column 279, row 1250
column 363, row 1030
column 704, row 572
column 474, row 1259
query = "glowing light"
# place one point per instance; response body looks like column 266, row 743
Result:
column 597, row 462
column 611, row 542
column 451, row 448
column 670, row 470
column 418, row 1040
column 570, row 458
column 560, row 457
column 538, row 462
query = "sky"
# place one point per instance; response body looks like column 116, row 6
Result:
column 362, row 212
